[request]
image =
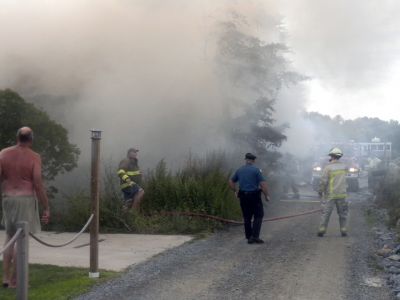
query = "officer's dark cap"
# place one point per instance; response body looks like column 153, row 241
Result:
column 250, row 156
column 132, row 150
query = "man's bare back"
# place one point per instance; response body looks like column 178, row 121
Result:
column 19, row 165
column 21, row 183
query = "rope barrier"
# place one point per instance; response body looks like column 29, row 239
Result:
column 66, row 243
column 13, row 239
column 228, row 221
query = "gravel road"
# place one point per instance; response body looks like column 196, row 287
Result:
column 293, row 263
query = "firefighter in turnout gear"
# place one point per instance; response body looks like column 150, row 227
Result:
column 130, row 178
column 332, row 191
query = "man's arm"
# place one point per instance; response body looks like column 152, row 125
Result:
column 324, row 182
column 39, row 189
column 232, row 185
column 123, row 166
column 263, row 184
column 264, row 189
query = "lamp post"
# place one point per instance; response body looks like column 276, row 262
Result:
column 94, row 196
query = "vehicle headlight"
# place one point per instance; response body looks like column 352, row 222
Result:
column 353, row 170
column 318, row 169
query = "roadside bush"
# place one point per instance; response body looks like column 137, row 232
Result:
column 200, row 186
column 386, row 188
column 72, row 215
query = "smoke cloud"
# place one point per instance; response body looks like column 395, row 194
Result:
column 144, row 71
column 350, row 44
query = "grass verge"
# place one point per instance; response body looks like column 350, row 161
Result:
column 48, row 282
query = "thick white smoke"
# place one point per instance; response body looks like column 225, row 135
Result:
column 142, row 71
column 351, row 50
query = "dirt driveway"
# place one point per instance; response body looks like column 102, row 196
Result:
column 293, row 263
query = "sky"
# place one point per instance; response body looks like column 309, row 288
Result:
column 350, row 50
column 144, row 70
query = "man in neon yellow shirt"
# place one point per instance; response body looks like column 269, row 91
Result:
column 332, row 190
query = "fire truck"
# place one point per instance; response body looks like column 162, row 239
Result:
column 356, row 157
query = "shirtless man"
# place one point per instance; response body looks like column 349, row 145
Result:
column 21, row 181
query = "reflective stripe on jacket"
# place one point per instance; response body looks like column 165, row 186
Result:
column 129, row 173
column 333, row 181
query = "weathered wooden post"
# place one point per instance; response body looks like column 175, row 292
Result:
column 94, row 195
column 23, row 261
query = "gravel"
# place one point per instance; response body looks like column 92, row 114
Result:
column 293, row 263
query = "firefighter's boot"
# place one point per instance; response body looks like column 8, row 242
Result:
column 321, row 231
column 343, row 231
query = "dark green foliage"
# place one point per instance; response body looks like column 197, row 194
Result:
column 73, row 214
column 255, row 71
column 50, row 138
column 251, row 63
column 386, row 187
column 201, row 186
column 197, row 188
column 360, row 130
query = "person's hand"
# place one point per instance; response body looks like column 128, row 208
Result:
column 236, row 194
column 45, row 216
column 267, row 198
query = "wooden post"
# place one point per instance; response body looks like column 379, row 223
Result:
column 22, row 261
column 94, row 195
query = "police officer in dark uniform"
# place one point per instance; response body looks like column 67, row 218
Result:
column 251, row 184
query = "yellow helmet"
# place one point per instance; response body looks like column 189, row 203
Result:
column 335, row 152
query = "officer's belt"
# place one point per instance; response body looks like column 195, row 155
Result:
column 249, row 192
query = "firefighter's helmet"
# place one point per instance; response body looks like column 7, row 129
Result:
column 336, row 152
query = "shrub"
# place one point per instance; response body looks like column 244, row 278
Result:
column 200, row 186
column 386, row 187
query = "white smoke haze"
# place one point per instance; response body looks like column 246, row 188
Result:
column 142, row 71
column 351, row 50
column 349, row 43
column 138, row 70
column 145, row 73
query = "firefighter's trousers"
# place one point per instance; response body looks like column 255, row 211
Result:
column 342, row 208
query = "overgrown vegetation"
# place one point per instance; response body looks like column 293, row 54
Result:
column 200, row 186
column 51, row 138
column 47, row 282
column 359, row 130
column 385, row 184
column 255, row 72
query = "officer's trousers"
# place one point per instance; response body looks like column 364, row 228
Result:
column 342, row 208
column 252, row 207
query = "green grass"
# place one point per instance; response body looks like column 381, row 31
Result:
column 57, row 283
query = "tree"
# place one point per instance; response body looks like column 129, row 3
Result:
column 50, row 139
column 255, row 72
column 359, row 130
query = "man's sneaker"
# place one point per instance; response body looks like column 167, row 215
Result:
column 258, row 241
column 251, row 241
column 320, row 234
column 344, row 234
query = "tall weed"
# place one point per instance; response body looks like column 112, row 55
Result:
column 200, row 186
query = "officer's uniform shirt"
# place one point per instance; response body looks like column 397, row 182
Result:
column 249, row 178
